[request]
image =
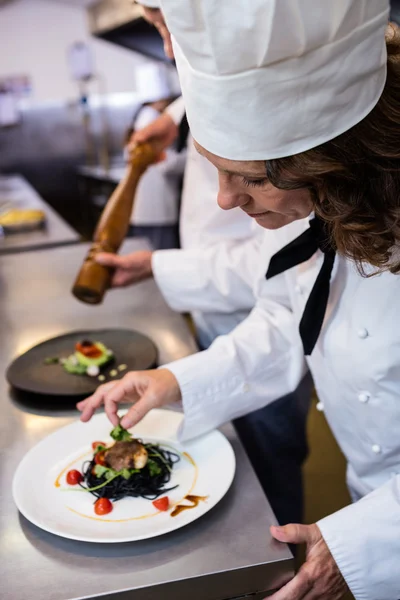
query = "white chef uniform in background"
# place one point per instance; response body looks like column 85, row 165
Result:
column 158, row 191
column 213, row 241
column 265, row 103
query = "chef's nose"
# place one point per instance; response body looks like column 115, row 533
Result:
column 229, row 195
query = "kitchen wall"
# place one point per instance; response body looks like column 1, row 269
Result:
column 34, row 36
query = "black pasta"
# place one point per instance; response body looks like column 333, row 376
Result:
column 142, row 484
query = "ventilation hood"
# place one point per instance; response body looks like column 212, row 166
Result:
column 120, row 22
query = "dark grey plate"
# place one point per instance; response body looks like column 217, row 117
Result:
column 29, row 373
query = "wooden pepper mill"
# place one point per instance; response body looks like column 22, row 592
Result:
column 93, row 279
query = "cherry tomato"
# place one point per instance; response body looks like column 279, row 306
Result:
column 100, row 459
column 91, row 351
column 103, row 506
column 74, row 477
column 161, row 503
column 95, row 444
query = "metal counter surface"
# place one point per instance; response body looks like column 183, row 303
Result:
column 226, row 554
column 16, row 192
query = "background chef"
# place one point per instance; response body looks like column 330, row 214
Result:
column 212, row 277
column 155, row 213
column 320, row 133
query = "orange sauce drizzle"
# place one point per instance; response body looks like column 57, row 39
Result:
column 112, row 520
column 57, row 481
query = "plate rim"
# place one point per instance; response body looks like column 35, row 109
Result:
column 119, row 540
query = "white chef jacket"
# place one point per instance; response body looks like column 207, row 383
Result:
column 356, row 368
column 211, row 239
column 158, row 191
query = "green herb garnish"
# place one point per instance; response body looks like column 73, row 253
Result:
column 155, row 453
column 52, row 360
column 108, row 474
column 100, row 448
column 154, row 468
column 127, row 473
column 100, row 470
column 119, row 434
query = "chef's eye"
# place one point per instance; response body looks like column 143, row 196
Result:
column 254, row 182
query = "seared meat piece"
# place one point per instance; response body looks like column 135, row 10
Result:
column 126, row 455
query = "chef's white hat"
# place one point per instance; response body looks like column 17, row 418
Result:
column 153, row 82
column 264, row 79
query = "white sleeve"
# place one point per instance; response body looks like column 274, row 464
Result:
column 173, row 164
column 176, row 110
column 257, row 363
column 217, row 279
column 364, row 539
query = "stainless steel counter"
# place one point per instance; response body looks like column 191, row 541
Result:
column 226, row 554
column 15, row 192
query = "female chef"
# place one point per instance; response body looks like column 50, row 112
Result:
column 297, row 103
column 211, row 277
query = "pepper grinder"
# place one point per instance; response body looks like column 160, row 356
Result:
column 94, row 280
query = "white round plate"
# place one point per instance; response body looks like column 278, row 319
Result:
column 40, row 491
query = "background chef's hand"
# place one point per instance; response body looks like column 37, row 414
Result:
column 129, row 269
column 163, row 131
column 319, row 577
column 147, row 389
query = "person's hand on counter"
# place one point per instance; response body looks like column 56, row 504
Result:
column 163, row 131
column 319, row 576
column 129, row 269
column 146, row 389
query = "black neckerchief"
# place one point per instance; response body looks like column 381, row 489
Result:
column 298, row 251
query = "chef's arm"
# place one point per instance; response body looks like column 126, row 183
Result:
column 364, row 539
column 257, row 363
column 212, row 280
column 260, row 361
column 176, row 110
column 164, row 129
column 216, row 279
column 174, row 164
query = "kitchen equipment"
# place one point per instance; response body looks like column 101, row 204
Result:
column 93, row 279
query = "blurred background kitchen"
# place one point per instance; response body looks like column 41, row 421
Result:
column 74, row 75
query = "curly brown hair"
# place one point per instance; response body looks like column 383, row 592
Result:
column 355, row 178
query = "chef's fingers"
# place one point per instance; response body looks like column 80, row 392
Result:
column 138, row 411
column 113, row 260
column 129, row 389
column 296, row 589
column 122, row 392
column 163, row 131
column 89, row 406
column 295, row 533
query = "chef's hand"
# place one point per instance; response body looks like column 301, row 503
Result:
column 147, row 389
column 129, row 269
column 163, row 131
column 319, row 577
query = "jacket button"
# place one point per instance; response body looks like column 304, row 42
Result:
column 376, row 449
column 364, row 397
column 362, row 333
column 320, row 406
